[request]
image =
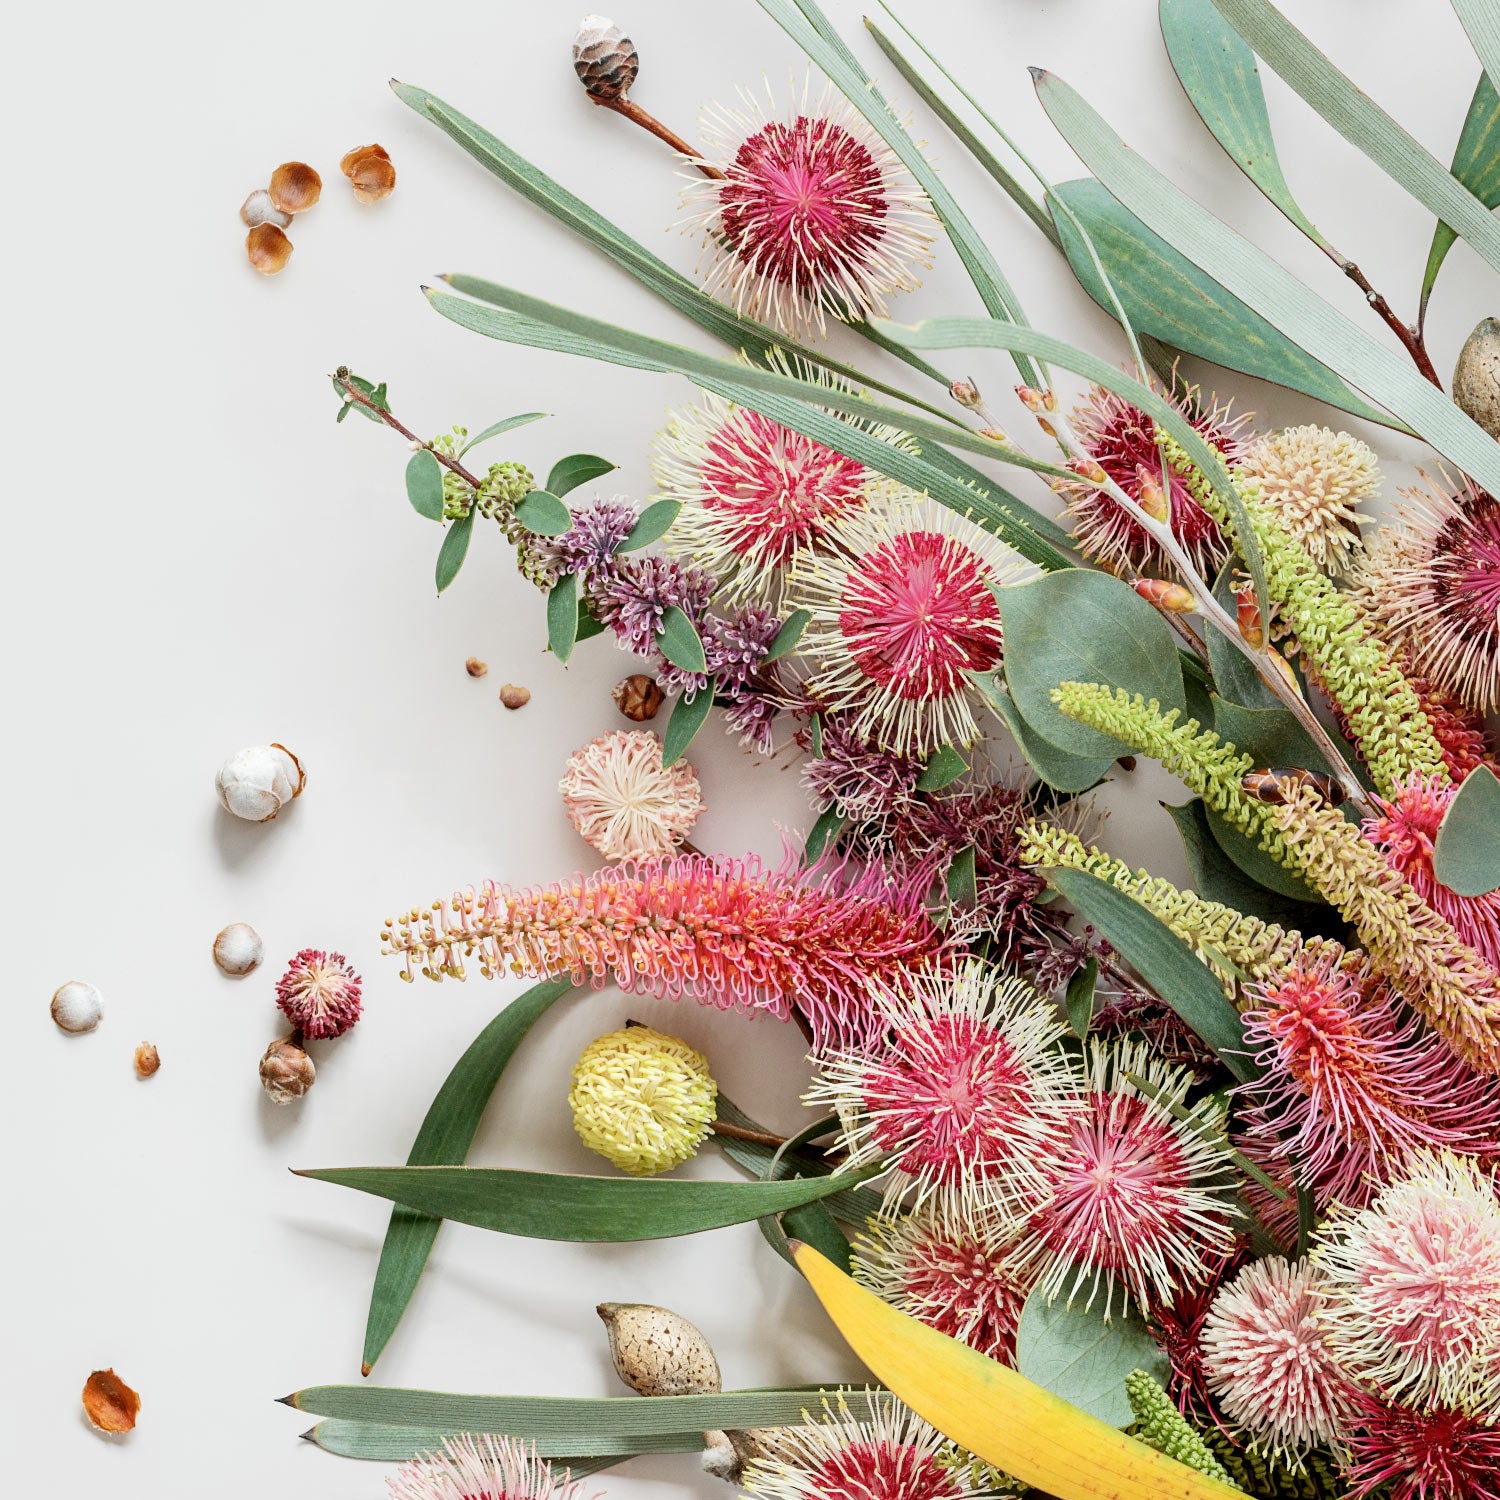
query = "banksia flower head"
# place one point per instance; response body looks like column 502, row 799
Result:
column 1136, row 1197
column 319, row 993
column 1316, row 478
column 1433, row 582
column 642, row 1100
column 892, row 1455
column 721, row 930
column 483, row 1467
column 1411, row 1287
column 1405, row 831
column 1420, row 1453
column 624, row 802
column 754, row 495
column 958, row 1280
column 902, row 616
column 1122, row 440
column 1267, row 1363
column 965, row 1101
column 814, row 215
column 1351, row 1083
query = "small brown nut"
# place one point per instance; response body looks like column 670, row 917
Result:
column 475, row 668
column 109, row 1403
column 268, row 248
column 658, row 1352
column 147, row 1060
column 638, row 697
column 295, row 187
column 286, row 1071
column 370, row 172
column 513, row 696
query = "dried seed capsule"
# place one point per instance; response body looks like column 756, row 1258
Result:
column 258, row 209
column 513, row 696
column 238, row 948
column 77, row 1006
column 604, row 58
column 475, row 668
column 295, row 187
column 658, row 1352
column 147, row 1060
column 638, row 697
column 1279, row 784
column 268, row 248
column 286, row 1071
column 370, row 172
column 257, row 782
column 1476, row 376
column 109, row 1403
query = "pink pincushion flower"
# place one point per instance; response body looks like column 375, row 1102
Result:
column 1405, row 831
column 1411, row 1287
column 964, row 1101
column 722, row 930
column 1135, row 1198
column 813, row 215
column 1421, row 1453
column 1122, row 440
column 320, row 993
column 485, row 1467
column 1266, row 1360
column 955, row 1279
column 624, row 801
column 1351, row 1084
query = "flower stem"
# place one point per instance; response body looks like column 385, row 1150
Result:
column 742, row 1133
column 447, row 461
column 1412, row 339
column 648, row 122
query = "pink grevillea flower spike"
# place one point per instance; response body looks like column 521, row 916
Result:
column 1135, row 1199
column 624, row 801
column 1411, row 1287
column 1421, row 1453
column 813, row 216
column 482, row 1468
column 724, row 931
column 964, row 1101
column 320, row 993
column 1266, row 1361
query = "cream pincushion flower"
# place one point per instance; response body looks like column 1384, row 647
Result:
column 624, row 801
column 1316, row 478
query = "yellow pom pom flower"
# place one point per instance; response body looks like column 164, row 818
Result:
column 642, row 1100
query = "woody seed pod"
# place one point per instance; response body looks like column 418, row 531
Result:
column 658, row 1352
column 604, row 58
column 1476, row 376
column 286, row 1071
column 637, row 697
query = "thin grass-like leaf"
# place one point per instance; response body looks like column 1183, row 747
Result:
column 1271, row 290
column 1481, row 21
column 377, row 1440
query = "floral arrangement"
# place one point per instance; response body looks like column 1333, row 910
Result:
column 1118, row 1189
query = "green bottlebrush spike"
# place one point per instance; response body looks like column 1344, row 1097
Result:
column 1315, row 1478
column 1258, row 948
column 985, row 1478
column 1159, row 1423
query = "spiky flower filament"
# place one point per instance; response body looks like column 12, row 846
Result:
column 1213, row 931
column 1411, row 945
column 1361, row 676
column 724, row 931
column 1159, row 1423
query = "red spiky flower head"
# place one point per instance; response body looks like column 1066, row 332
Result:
column 1421, row 1453
column 320, row 993
column 813, row 216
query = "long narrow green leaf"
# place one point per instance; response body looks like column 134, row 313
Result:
column 377, row 1440
column 571, row 1417
column 1476, row 164
column 806, row 24
column 446, row 1133
column 1218, row 73
column 1271, row 290
column 1362, row 122
column 1481, row 20
column 801, row 405
column 592, row 1210
column 677, row 290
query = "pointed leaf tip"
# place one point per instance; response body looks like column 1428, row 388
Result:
column 310, row 1436
column 365, row 1369
column 1037, row 74
column 288, row 1400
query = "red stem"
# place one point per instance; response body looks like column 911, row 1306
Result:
column 649, row 122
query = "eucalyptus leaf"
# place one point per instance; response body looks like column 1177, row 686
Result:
column 455, row 548
column 689, row 715
column 1476, row 164
column 576, row 469
column 562, row 616
column 944, row 766
column 584, row 1454
column 1073, row 1352
column 1163, row 961
column 789, row 634
column 1271, row 736
column 446, row 1133
column 424, row 485
column 1255, row 864
column 1084, row 627
column 678, row 640
column 1165, row 295
column 1466, row 856
column 1059, row 770
column 653, row 522
column 505, row 424
column 543, row 514
column 1078, row 999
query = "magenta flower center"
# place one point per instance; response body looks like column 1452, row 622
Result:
column 773, row 489
column 802, row 202
column 952, row 1102
column 1466, row 565
column 919, row 615
column 879, row 1469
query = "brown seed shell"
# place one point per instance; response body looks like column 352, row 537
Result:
column 268, row 248
column 370, row 173
column 475, row 668
column 295, row 187
column 514, row 696
column 147, row 1060
column 109, row 1403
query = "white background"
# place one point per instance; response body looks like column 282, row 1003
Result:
column 197, row 558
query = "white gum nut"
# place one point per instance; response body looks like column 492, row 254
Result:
column 257, row 782
column 1476, row 376
column 658, row 1352
column 77, row 1006
column 238, row 948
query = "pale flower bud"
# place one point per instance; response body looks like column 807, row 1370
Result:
column 257, row 782
column 286, row 1071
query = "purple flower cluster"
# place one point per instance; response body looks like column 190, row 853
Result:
column 867, row 786
column 632, row 595
column 735, row 648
